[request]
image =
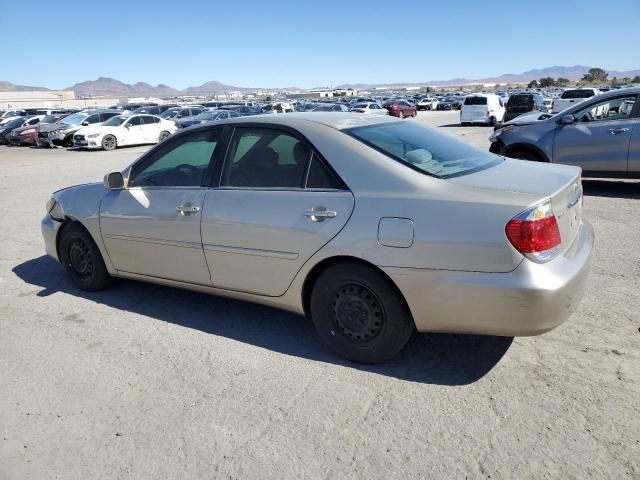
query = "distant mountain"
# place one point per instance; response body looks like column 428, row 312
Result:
column 572, row 73
column 10, row 87
column 110, row 87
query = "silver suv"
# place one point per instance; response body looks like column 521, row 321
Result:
column 601, row 135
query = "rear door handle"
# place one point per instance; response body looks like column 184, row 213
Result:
column 187, row 209
column 319, row 214
column 615, row 131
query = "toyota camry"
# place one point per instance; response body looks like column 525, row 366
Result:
column 371, row 226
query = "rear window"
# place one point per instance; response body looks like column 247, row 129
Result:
column 424, row 149
column 577, row 94
column 516, row 100
column 475, row 101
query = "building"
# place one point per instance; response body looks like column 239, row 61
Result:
column 51, row 99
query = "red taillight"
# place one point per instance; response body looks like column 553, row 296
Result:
column 535, row 234
column 395, row 107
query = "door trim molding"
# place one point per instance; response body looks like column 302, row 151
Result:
column 251, row 251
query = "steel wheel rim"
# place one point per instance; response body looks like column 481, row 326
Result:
column 80, row 258
column 357, row 312
column 164, row 135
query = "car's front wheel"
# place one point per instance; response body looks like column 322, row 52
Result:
column 109, row 142
column 82, row 259
column 164, row 135
column 359, row 313
column 524, row 155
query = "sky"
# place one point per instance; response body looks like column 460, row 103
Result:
column 278, row 43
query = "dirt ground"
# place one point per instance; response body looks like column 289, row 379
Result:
column 142, row 381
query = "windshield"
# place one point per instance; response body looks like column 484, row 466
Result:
column 75, row 119
column 172, row 112
column 49, row 118
column 520, row 100
column 115, row 121
column 207, row 116
column 424, row 149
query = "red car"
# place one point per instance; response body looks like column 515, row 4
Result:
column 401, row 108
column 28, row 135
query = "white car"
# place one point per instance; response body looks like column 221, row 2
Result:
column 366, row 107
column 427, row 104
column 123, row 130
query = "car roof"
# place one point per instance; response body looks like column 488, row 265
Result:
column 337, row 120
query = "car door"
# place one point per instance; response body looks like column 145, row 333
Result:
column 133, row 131
column 150, row 129
column 599, row 139
column 276, row 205
column 152, row 226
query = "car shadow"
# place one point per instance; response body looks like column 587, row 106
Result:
column 611, row 188
column 453, row 125
column 441, row 359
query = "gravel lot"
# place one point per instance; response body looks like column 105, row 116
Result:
column 142, row 381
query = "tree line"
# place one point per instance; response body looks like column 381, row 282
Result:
column 593, row 76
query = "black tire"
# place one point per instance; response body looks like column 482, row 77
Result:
column 164, row 135
column 82, row 259
column 524, row 155
column 109, row 142
column 493, row 121
column 359, row 313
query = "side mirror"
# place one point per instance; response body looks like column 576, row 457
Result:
column 85, row 123
column 566, row 120
column 127, row 125
column 114, row 181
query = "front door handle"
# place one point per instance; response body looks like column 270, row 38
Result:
column 187, row 209
column 319, row 214
column 615, row 131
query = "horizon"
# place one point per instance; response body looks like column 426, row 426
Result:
column 327, row 49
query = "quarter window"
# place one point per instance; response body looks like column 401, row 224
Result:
column 182, row 163
column 320, row 176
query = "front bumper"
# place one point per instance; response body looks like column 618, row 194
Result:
column 49, row 228
column 530, row 300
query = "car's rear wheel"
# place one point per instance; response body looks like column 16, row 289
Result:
column 164, row 135
column 524, row 155
column 359, row 313
column 493, row 121
column 82, row 259
column 109, row 142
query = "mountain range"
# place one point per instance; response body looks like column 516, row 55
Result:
column 111, row 87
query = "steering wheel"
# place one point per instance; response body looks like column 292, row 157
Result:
column 189, row 173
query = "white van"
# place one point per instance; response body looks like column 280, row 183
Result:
column 482, row 108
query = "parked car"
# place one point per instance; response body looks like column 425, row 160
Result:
column 283, row 230
column 8, row 115
column 484, row 108
column 428, row 103
column 600, row 135
column 208, row 116
column 277, row 107
column 571, row 97
column 367, row 107
column 177, row 113
column 520, row 103
column 449, row 103
column 28, row 135
column 61, row 133
column 8, row 128
column 123, row 130
column 400, row 108
column 330, row 107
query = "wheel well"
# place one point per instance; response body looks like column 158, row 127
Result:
column 65, row 224
column 315, row 272
column 527, row 149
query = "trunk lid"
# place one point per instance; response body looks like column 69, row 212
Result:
column 562, row 184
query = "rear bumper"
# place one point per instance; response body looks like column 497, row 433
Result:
column 532, row 299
